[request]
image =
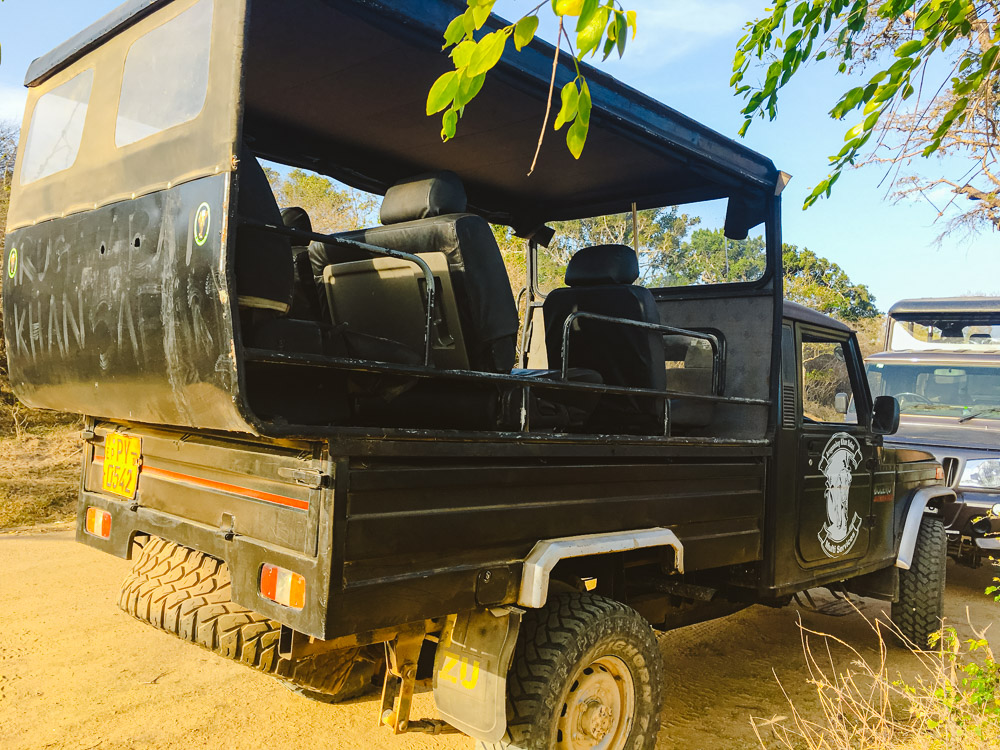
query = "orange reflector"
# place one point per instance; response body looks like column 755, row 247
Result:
column 283, row 586
column 939, row 472
column 98, row 522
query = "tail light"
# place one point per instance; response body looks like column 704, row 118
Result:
column 283, row 586
column 98, row 522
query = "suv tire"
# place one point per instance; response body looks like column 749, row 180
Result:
column 588, row 665
column 920, row 608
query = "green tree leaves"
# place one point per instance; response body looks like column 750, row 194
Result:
column 915, row 31
column 524, row 31
column 598, row 25
column 442, row 92
column 576, row 107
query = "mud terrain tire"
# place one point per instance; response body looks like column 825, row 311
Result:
column 187, row 593
column 562, row 648
column 918, row 612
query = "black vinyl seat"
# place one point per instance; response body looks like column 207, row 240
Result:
column 426, row 214
column 600, row 280
column 264, row 276
column 305, row 296
column 279, row 304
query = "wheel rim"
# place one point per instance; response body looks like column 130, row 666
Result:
column 598, row 708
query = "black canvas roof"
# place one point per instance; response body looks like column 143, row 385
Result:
column 339, row 86
column 943, row 308
column 795, row 311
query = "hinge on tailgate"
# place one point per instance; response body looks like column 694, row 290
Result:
column 312, row 478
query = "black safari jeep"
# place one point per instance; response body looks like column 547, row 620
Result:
column 942, row 363
column 339, row 458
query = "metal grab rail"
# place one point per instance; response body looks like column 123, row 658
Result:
column 711, row 339
column 472, row 376
column 374, row 250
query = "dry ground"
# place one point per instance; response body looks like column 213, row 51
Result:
column 77, row 673
column 39, row 475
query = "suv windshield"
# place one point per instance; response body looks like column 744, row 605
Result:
column 972, row 335
column 937, row 389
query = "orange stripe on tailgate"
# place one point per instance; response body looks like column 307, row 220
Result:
column 173, row 476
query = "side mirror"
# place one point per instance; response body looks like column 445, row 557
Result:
column 840, row 403
column 885, row 417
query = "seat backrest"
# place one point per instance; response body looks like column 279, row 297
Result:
column 427, row 215
column 264, row 276
column 305, row 297
column 386, row 297
column 600, row 280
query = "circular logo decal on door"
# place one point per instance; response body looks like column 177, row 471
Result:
column 202, row 223
column 12, row 263
column 840, row 458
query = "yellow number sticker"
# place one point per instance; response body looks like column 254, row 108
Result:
column 122, row 457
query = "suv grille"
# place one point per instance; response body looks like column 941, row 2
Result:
column 950, row 470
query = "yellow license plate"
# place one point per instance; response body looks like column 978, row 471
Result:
column 122, row 456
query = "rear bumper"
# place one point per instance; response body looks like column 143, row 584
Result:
column 244, row 556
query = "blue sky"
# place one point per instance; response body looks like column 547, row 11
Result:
column 683, row 57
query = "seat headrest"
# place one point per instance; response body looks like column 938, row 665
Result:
column 295, row 217
column 422, row 197
column 602, row 264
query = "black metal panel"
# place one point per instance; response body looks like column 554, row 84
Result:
column 499, row 510
column 120, row 313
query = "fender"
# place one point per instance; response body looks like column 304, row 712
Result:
column 911, row 526
column 544, row 556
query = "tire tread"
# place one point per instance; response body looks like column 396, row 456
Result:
column 920, row 608
column 188, row 594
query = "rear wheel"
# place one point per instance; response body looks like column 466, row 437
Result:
column 188, row 593
column 920, row 608
column 587, row 673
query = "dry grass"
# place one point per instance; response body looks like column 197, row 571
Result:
column 39, row 475
column 863, row 706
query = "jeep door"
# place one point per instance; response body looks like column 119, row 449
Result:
column 836, row 452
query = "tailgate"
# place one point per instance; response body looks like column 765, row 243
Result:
column 246, row 502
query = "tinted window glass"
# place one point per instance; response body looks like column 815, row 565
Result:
column 977, row 334
column 56, row 129
column 166, row 76
column 939, row 389
column 824, row 375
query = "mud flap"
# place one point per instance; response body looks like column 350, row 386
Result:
column 470, row 670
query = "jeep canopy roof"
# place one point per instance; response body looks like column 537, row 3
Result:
column 947, row 308
column 352, row 95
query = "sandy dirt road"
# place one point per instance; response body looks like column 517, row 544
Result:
column 75, row 672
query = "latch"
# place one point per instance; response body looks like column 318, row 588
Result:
column 312, row 478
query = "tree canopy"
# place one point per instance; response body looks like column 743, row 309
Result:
column 933, row 82
column 330, row 208
column 934, row 88
column 675, row 251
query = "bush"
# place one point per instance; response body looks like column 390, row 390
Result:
column 954, row 703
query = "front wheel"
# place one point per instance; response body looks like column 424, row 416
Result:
column 920, row 608
column 587, row 673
